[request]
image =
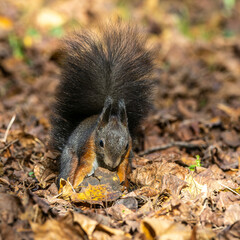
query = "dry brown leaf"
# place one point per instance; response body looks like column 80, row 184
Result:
column 173, row 185
column 232, row 232
column 57, row 230
column 157, row 228
column 146, row 208
column 188, row 160
column 74, row 226
column 129, row 202
column 209, row 217
column 10, row 208
column 225, row 199
column 44, row 174
column 225, row 160
column 119, row 212
column 232, row 214
column 90, row 226
column 231, row 138
column 233, row 113
column 152, row 174
column 112, row 231
column 147, row 191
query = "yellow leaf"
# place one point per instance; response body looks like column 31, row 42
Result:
column 65, row 189
column 6, row 23
column 27, row 40
column 194, row 188
column 96, row 194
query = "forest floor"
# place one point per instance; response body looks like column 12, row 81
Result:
column 186, row 171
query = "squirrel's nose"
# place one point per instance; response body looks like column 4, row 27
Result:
column 112, row 164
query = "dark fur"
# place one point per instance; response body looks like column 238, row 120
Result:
column 114, row 63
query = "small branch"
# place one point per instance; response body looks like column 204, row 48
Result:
column 71, row 186
column 8, row 128
column 58, row 195
column 8, row 145
column 229, row 189
column 173, row 144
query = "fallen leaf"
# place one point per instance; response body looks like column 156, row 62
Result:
column 231, row 232
column 119, row 212
column 157, row 228
column 56, row 230
column 152, row 174
column 10, row 208
column 65, row 189
column 232, row 112
column 96, row 194
column 44, row 174
column 232, row 214
column 231, row 138
column 194, row 188
column 147, row 191
column 6, row 23
column 90, row 226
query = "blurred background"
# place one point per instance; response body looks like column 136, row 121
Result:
column 197, row 68
column 195, row 120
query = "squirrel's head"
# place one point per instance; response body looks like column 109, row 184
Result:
column 112, row 139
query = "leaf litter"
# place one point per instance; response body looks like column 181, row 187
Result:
column 173, row 193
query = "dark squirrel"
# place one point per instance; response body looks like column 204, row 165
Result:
column 105, row 91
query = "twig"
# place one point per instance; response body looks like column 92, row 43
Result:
column 8, row 128
column 71, row 186
column 36, row 214
column 7, row 146
column 173, row 144
column 4, row 181
column 56, row 196
column 229, row 189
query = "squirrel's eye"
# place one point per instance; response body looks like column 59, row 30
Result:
column 101, row 143
column 126, row 147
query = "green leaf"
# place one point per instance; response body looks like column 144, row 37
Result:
column 57, row 32
column 33, row 32
column 31, row 174
column 16, row 46
column 198, row 161
column 192, row 167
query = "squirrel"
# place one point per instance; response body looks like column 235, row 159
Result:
column 105, row 92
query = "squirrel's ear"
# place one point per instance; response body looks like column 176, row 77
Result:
column 122, row 112
column 106, row 112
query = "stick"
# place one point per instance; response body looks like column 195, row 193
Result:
column 8, row 128
column 229, row 189
column 173, row 144
column 7, row 146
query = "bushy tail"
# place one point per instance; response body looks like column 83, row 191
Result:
column 113, row 62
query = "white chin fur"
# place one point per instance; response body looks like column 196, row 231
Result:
column 95, row 166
